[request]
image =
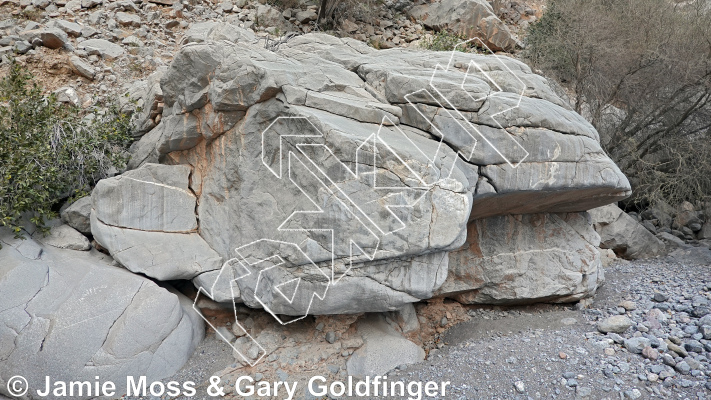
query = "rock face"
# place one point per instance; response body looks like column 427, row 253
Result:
column 471, row 18
column 623, row 234
column 525, row 258
column 72, row 315
column 146, row 218
column 330, row 177
column 146, row 95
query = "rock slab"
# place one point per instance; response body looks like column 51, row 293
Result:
column 72, row 315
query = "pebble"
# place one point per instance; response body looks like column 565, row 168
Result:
column 677, row 349
column 660, row 297
column 616, row 338
column 683, row 367
column 633, row 394
column 705, row 332
column 650, row 353
column 628, row 305
column 637, row 344
column 615, row 324
column 694, row 346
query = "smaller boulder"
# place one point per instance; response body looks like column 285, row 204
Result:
column 54, row 38
column 406, row 317
column 637, row 344
column 349, row 26
column 615, row 324
column 384, row 349
column 705, row 231
column 90, row 3
column 78, row 215
column 623, row 234
column 63, row 237
column 71, row 28
column 127, row 19
column 22, row 47
column 102, row 47
column 67, row 95
column 304, row 17
column 470, row 18
column 672, row 242
column 226, row 6
column 82, row 68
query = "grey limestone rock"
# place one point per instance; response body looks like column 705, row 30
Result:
column 103, row 48
column 472, row 18
column 77, row 215
column 382, row 351
column 524, row 259
column 71, row 315
column 331, row 177
column 623, row 234
column 146, row 219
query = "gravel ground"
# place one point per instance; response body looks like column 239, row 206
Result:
column 558, row 351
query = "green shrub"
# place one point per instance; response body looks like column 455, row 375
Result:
column 284, row 4
column 50, row 151
column 445, row 41
column 332, row 13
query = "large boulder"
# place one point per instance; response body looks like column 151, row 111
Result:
column 469, row 18
column 623, row 234
column 524, row 259
column 330, row 177
column 72, row 315
column 525, row 150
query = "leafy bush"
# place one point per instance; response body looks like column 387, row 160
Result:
column 333, row 12
column 50, row 151
column 640, row 71
column 284, row 4
column 445, row 41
